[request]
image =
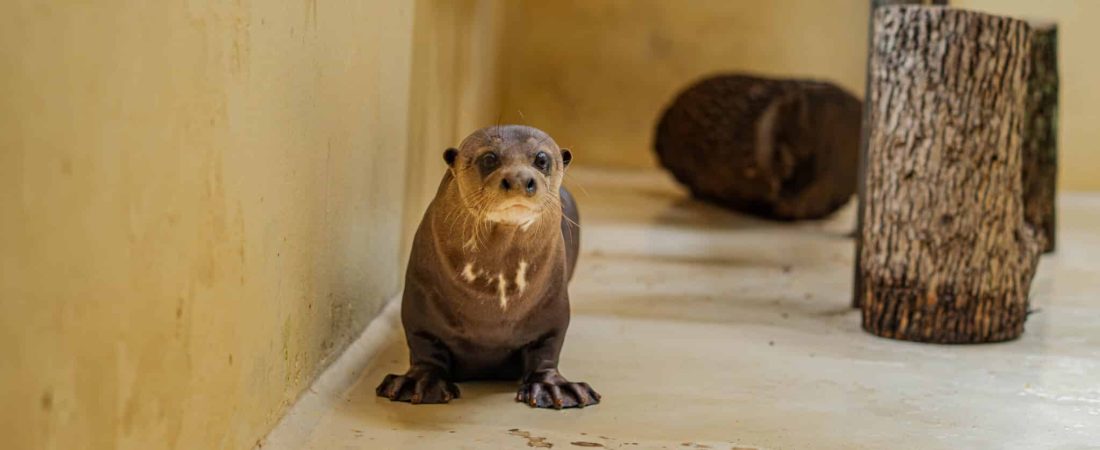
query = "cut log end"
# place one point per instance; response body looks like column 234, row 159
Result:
column 779, row 149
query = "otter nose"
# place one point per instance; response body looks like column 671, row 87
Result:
column 519, row 181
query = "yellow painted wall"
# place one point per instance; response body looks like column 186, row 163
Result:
column 200, row 205
column 1079, row 113
column 456, row 44
column 597, row 74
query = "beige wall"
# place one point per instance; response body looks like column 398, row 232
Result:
column 456, row 89
column 201, row 205
column 1079, row 113
column 597, row 74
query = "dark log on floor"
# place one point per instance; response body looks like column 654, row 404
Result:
column 1040, row 140
column 861, row 185
column 779, row 149
column 947, row 256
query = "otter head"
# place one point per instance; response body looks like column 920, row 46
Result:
column 508, row 174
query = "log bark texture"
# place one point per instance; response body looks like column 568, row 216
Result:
column 779, row 149
column 1040, row 141
column 861, row 186
column 947, row 256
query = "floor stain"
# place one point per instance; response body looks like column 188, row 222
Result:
column 586, row 444
column 532, row 441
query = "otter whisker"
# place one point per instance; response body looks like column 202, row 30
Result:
column 479, row 211
column 574, row 182
column 457, row 213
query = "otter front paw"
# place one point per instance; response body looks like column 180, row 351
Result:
column 417, row 386
column 554, row 391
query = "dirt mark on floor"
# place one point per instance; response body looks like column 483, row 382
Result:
column 532, row 441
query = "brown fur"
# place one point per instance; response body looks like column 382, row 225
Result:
column 467, row 314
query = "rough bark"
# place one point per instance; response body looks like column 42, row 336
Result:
column 780, row 149
column 947, row 256
column 857, row 294
column 1040, row 145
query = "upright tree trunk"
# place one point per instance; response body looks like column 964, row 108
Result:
column 861, row 186
column 946, row 256
column 1040, row 171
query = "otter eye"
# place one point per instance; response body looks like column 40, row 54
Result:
column 488, row 162
column 542, row 162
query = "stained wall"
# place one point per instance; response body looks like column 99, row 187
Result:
column 597, row 74
column 202, row 203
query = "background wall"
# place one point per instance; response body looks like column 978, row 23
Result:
column 201, row 205
column 597, row 74
column 1079, row 113
column 456, row 45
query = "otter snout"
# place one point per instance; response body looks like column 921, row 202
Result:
column 519, row 181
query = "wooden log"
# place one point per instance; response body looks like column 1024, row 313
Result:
column 1040, row 140
column 947, row 256
column 775, row 148
column 857, row 294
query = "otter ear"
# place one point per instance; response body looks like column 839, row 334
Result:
column 566, row 157
column 449, row 155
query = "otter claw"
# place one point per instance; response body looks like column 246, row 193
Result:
column 540, row 394
column 426, row 387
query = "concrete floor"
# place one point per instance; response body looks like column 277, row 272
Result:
column 705, row 329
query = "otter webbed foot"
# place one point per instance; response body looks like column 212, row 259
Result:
column 551, row 390
column 418, row 386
